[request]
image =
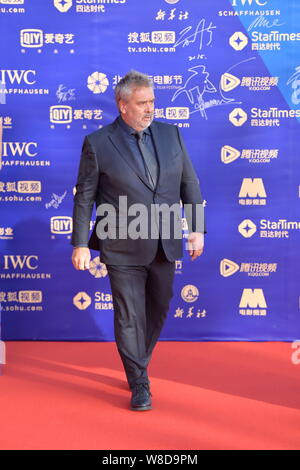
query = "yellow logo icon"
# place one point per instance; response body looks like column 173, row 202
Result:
column 253, row 298
column 97, row 82
column 61, row 224
column 97, row 269
column 30, row 296
column 31, row 38
column 189, row 293
column 63, row 5
column 61, row 114
column 238, row 117
column 247, row 228
column 82, row 300
column 238, row 41
column 229, row 82
column 229, row 154
column 252, row 187
column 228, row 267
column 29, row 186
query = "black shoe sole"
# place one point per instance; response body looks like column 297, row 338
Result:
column 141, row 408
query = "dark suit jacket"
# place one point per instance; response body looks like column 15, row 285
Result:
column 108, row 170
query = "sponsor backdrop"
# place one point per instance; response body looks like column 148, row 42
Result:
column 227, row 73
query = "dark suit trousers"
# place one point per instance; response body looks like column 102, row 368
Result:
column 141, row 297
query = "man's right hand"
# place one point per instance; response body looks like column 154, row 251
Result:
column 81, row 257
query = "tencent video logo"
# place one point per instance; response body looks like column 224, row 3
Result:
column 238, row 41
column 229, row 154
column 63, row 5
column 229, row 82
column 97, row 82
column 247, row 228
column 238, row 117
column 228, row 267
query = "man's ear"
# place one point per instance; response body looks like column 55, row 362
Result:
column 122, row 106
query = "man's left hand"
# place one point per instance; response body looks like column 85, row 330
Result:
column 195, row 244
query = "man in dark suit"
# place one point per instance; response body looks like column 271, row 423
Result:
column 137, row 165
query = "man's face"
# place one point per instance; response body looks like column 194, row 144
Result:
column 138, row 109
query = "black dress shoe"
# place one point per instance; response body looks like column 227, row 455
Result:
column 141, row 397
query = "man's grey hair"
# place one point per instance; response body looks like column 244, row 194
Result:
column 133, row 79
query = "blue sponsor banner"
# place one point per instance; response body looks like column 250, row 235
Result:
column 227, row 73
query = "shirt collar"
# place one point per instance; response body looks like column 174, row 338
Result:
column 128, row 129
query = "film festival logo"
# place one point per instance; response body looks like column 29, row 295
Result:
column 97, row 82
column 97, row 269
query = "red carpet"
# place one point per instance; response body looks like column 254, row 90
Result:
column 73, row 395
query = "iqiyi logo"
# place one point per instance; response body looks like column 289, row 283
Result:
column 63, row 5
column 31, row 38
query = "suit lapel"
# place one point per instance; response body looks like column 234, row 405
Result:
column 119, row 142
column 161, row 149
